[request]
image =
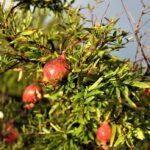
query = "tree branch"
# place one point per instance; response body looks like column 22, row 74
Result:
column 136, row 29
column 9, row 67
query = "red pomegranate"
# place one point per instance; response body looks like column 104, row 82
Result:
column 32, row 94
column 12, row 133
column 56, row 69
column 147, row 92
column 104, row 133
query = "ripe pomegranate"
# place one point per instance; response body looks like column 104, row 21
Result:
column 56, row 69
column 104, row 133
column 12, row 133
column 147, row 92
column 32, row 94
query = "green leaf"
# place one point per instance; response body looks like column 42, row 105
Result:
column 78, row 131
column 39, row 115
column 90, row 135
column 19, row 39
column 121, row 138
column 45, row 130
column 125, row 92
column 93, row 93
column 28, row 32
column 137, row 84
column 54, row 107
column 139, row 134
column 101, row 53
column 123, row 69
column 140, row 84
column 118, row 94
column 89, row 99
column 114, row 129
column 56, row 127
column 93, row 86
column 78, row 96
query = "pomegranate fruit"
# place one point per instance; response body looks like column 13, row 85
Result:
column 32, row 94
column 147, row 92
column 12, row 133
column 104, row 133
column 56, row 69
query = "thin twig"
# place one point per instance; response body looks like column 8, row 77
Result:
column 130, row 18
column 70, row 45
column 105, row 12
column 9, row 68
column 142, row 2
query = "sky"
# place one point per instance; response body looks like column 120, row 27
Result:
column 116, row 9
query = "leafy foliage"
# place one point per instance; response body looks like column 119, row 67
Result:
column 99, row 86
column 54, row 5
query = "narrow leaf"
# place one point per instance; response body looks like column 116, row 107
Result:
column 114, row 127
column 140, row 84
column 93, row 86
column 125, row 92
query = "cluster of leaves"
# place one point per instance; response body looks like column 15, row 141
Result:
column 99, row 86
column 53, row 5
